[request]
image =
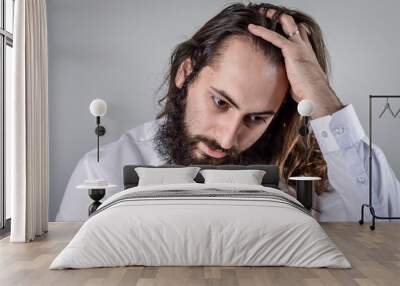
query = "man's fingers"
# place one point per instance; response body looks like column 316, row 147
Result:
column 270, row 13
column 304, row 34
column 268, row 35
column 288, row 24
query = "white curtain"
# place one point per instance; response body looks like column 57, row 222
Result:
column 27, row 123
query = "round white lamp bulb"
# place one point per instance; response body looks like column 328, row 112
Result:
column 305, row 107
column 98, row 107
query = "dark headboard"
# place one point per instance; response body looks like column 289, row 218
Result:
column 270, row 179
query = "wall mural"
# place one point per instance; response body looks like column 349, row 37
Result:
column 249, row 87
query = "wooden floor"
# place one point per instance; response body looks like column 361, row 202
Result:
column 374, row 255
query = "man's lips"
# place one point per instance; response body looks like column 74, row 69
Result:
column 213, row 153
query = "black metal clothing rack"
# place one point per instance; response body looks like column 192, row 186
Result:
column 370, row 205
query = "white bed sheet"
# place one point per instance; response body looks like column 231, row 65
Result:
column 200, row 231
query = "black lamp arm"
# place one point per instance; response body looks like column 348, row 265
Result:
column 304, row 131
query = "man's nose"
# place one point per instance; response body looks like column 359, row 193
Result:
column 228, row 135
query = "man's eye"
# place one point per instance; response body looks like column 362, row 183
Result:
column 256, row 119
column 219, row 103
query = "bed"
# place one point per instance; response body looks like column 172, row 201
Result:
column 201, row 224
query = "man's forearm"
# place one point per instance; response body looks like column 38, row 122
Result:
column 325, row 102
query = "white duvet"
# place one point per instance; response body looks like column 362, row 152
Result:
column 181, row 231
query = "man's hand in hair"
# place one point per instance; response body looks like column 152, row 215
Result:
column 306, row 77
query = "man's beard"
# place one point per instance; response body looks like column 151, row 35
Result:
column 176, row 146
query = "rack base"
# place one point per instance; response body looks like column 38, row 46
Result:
column 374, row 216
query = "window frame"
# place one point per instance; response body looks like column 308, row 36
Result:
column 6, row 39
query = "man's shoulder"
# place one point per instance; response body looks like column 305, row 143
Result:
column 145, row 131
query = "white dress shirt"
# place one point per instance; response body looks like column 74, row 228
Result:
column 341, row 139
column 345, row 148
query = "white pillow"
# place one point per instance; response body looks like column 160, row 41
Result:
column 161, row 176
column 249, row 177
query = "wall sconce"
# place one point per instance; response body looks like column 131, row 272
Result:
column 305, row 109
column 98, row 108
column 305, row 184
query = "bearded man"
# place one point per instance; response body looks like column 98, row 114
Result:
column 232, row 95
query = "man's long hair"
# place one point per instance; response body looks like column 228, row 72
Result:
column 281, row 143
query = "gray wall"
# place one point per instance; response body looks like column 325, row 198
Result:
column 118, row 51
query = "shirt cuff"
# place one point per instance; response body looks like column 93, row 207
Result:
column 338, row 131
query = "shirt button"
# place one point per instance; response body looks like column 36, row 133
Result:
column 338, row 130
column 361, row 179
column 324, row 134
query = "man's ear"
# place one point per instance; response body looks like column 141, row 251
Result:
column 185, row 68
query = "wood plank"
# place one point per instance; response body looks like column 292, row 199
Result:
column 374, row 255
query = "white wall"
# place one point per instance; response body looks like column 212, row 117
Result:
column 118, row 50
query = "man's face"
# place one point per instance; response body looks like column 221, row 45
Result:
column 230, row 105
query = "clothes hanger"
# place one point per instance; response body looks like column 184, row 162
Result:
column 387, row 106
column 397, row 113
